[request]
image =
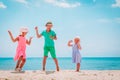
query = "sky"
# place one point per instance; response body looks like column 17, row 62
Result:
column 97, row 22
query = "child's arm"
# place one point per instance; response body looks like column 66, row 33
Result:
column 69, row 43
column 38, row 35
column 54, row 37
column 79, row 46
column 12, row 38
column 29, row 41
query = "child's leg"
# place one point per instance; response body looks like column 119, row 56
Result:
column 53, row 54
column 44, row 62
column 23, row 62
column 56, row 63
column 78, row 67
column 18, row 63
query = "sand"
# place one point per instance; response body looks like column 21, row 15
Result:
column 61, row 75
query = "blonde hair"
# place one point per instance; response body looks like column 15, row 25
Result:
column 77, row 37
column 23, row 29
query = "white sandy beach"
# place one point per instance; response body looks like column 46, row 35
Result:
column 62, row 75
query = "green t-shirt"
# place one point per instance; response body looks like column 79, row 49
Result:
column 48, row 41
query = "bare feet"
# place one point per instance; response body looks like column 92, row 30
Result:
column 57, row 68
column 18, row 69
column 43, row 69
column 77, row 70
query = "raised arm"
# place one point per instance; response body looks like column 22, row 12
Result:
column 70, row 43
column 12, row 38
column 29, row 41
column 38, row 35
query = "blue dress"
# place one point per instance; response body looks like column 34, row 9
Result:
column 76, row 56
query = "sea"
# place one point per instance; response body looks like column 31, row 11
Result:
column 87, row 63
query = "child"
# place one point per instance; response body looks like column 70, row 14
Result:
column 21, row 48
column 76, row 57
column 49, row 36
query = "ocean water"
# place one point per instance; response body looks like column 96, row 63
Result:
column 64, row 63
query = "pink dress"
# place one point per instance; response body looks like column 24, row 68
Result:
column 21, row 48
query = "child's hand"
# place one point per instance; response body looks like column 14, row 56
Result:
column 51, row 37
column 9, row 32
column 36, row 28
column 31, row 38
column 70, row 41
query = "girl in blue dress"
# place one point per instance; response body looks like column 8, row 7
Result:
column 76, row 56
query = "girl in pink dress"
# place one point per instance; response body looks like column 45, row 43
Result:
column 21, row 48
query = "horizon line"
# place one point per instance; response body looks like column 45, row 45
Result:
column 71, row 57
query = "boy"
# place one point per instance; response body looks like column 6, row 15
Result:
column 49, row 36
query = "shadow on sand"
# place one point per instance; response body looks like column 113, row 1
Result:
column 18, row 72
column 49, row 72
